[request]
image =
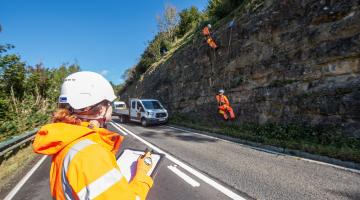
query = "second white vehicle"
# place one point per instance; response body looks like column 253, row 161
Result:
column 144, row 111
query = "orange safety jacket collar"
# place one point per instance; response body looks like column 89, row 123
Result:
column 51, row 138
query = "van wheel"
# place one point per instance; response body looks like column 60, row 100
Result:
column 144, row 122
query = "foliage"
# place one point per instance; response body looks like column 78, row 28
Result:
column 328, row 141
column 152, row 53
column 6, row 47
column 189, row 18
column 173, row 25
column 12, row 74
column 168, row 22
column 27, row 94
column 220, row 8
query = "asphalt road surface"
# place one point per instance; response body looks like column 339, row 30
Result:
column 201, row 167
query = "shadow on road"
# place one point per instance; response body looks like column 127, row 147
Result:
column 157, row 132
column 353, row 195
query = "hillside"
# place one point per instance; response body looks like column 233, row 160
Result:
column 282, row 62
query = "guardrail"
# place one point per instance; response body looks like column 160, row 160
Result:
column 10, row 146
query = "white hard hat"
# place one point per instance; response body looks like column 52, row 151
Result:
column 83, row 89
column 209, row 25
column 221, row 91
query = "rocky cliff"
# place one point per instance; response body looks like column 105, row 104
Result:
column 283, row 62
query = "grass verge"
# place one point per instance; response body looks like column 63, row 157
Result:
column 15, row 165
column 321, row 141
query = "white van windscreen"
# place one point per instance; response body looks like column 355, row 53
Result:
column 152, row 105
column 119, row 105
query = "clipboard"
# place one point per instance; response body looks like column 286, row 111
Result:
column 127, row 162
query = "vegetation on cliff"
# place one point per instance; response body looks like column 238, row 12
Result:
column 291, row 72
column 174, row 30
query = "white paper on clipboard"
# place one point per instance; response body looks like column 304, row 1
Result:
column 128, row 160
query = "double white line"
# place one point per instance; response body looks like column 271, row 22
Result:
column 192, row 171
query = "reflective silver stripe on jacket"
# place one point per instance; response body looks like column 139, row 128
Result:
column 68, row 192
column 100, row 185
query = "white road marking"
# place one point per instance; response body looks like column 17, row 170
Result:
column 185, row 177
column 194, row 172
column 115, row 124
column 24, row 179
column 273, row 152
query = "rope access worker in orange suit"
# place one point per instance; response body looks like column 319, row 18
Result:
column 224, row 106
column 83, row 153
column 209, row 39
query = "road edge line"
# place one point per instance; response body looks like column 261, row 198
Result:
column 269, row 150
column 194, row 172
column 18, row 186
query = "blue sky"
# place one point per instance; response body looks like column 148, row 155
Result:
column 105, row 36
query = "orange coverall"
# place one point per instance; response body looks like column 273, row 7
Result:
column 211, row 42
column 206, row 31
column 224, row 107
column 84, row 165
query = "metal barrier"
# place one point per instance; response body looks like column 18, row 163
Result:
column 14, row 144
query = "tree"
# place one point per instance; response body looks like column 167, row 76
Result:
column 4, row 47
column 167, row 23
column 27, row 94
column 188, row 19
column 12, row 75
column 220, row 8
column 38, row 80
column 129, row 74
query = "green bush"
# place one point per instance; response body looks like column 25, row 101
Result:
column 189, row 18
column 28, row 95
column 220, row 8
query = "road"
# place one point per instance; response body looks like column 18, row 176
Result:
column 202, row 167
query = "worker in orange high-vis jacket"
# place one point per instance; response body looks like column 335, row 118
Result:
column 224, row 106
column 206, row 30
column 83, row 153
column 209, row 39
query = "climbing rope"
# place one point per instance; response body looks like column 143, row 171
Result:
column 230, row 25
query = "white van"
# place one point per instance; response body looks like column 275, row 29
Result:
column 144, row 111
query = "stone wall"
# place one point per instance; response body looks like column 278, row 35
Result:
column 288, row 62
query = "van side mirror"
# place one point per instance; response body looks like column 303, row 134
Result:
column 141, row 109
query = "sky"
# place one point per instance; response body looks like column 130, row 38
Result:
column 105, row 36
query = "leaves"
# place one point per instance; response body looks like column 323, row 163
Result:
column 220, row 8
column 172, row 25
column 27, row 94
column 12, row 74
column 189, row 18
column 168, row 22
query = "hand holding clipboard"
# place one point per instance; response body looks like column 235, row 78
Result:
column 144, row 162
column 130, row 160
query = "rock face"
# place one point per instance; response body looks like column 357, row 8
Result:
column 285, row 62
